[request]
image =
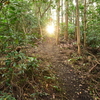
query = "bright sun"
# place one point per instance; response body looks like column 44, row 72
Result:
column 50, row 29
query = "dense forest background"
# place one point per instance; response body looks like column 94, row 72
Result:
column 22, row 21
column 23, row 25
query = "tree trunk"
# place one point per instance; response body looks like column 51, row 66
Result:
column 76, row 24
column 78, row 27
column 84, row 23
column 66, row 21
column 58, row 20
column 62, row 12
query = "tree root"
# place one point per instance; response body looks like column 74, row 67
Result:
column 97, row 93
column 19, row 90
column 96, row 61
column 92, row 68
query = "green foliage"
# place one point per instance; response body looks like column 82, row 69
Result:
column 93, row 32
column 94, row 39
column 56, row 88
column 6, row 96
column 11, row 65
column 71, row 28
column 17, row 24
column 32, row 62
column 26, row 71
column 81, row 7
column 16, row 61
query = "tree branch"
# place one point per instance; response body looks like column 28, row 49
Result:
column 46, row 8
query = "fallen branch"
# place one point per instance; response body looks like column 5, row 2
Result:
column 94, row 81
column 97, row 93
column 92, row 68
column 94, row 58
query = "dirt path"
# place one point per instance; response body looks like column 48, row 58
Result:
column 70, row 81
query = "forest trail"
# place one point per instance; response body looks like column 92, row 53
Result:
column 71, row 82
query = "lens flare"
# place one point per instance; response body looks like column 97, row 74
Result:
column 50, row 29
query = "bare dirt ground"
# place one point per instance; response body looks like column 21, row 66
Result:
column 71, row 82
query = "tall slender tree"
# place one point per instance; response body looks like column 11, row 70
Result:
column 62, row 12
column 85, row 23
column 78, row 27
column 66, row 20
column 58, row 21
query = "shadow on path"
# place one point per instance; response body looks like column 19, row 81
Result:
column 69, row 80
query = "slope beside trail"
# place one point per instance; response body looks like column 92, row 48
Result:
column 69, row 79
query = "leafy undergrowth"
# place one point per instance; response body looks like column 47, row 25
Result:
column 87, row 65
column 26, row 78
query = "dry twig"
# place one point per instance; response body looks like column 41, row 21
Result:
column 92, row 68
